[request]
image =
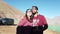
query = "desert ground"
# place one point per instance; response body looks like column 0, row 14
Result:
column 12, row 30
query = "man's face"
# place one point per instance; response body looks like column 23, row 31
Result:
column 34, row 10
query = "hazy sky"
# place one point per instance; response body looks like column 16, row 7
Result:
column 49, row 8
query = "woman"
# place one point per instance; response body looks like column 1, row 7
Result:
column 24, row 26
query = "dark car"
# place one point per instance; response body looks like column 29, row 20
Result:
column 6, row 21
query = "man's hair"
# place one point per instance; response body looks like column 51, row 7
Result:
column 35, row 7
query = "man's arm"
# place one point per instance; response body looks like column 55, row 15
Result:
column 45, row 25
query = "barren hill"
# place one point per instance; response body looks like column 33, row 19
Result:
column 7, row 11
column 54, row 21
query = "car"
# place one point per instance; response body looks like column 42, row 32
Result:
column 6, row 21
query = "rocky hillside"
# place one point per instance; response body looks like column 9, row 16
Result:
column 54, row 21
column 7, row 11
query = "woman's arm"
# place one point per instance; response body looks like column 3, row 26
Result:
column 20, row 26
column 22, row 21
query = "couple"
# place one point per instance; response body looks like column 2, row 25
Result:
column 32, row 22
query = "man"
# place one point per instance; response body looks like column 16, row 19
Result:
column 39, row 22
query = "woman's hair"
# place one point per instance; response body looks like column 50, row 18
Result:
column 31, row 17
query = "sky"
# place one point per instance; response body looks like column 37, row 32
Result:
column 48, row 8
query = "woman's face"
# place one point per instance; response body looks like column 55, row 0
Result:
column 29, row 13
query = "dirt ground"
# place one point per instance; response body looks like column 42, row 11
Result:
column 12, row 30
